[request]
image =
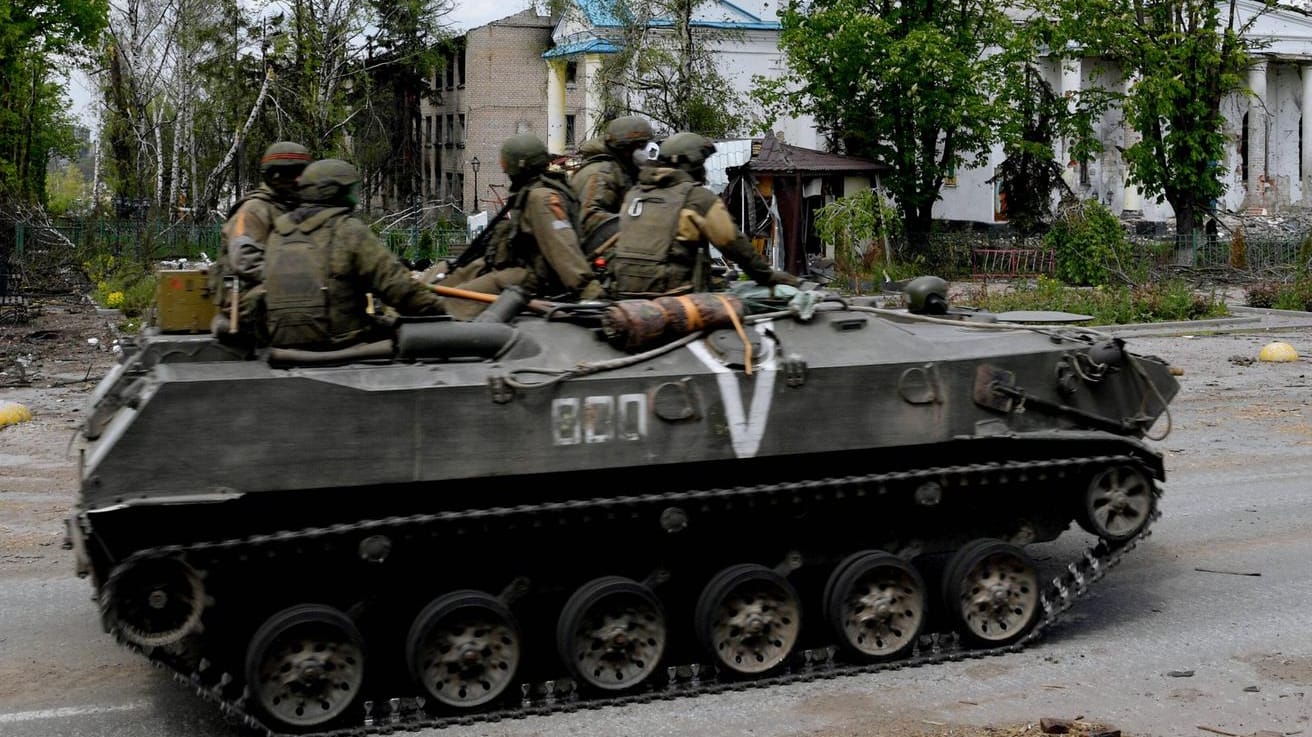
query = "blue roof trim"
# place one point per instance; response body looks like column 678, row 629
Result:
column 598, row 13
column 591, row 46
column 742, row 12
column 727, row 25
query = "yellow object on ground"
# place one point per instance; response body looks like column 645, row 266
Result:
column 12, row 413
column 1278, row 352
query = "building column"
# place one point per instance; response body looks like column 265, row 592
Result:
column 1305, row 155
column 1070, row 86
column 1131, row 197
column 1256, row 135
column 591, row 98
column 555, row 106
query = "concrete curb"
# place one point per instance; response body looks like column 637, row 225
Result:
column 1247, row 319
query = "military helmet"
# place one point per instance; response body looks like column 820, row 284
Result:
column 927, row 295
column 629, row 130
column 523, row 156
column 687, row 151
column 328, row 181
column 284, row 154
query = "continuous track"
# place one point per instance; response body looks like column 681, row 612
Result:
column 392, row 715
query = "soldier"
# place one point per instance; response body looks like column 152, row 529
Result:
column 609, row 171
column 536, row 246
column 239, row 267
column 320, row 263
column 669, row 220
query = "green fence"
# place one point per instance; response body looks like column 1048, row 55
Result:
column 143, row 241
column 147, row 242
column 415, row 245
column 985, row 255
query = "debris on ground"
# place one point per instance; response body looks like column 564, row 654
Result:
column 12, row 413
column 1278, row 352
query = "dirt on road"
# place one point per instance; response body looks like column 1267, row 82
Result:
column 51, row 363
column 47, row 365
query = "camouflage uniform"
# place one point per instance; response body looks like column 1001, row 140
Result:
column 664, row 248
column 536, row 247
column 320, row 263
column 608, row 171
column 252, row 217
column 245, row 232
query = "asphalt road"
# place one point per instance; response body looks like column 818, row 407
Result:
column 1221, row 589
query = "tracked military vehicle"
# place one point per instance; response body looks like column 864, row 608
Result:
column 556, row 504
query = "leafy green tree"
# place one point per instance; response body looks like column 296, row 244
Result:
column 38, row 40
column 913, row 84
column 1185, row 57
column 66, row 190
column 862, row 228
column 1030, row 173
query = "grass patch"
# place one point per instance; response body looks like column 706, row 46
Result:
column 122, row 284
column 1109, row 305
column 1295, row 295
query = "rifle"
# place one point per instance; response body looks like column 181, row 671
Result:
column 477, row 248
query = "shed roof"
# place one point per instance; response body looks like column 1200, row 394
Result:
column 777, row 157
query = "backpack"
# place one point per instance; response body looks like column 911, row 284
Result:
column 641, row 261
column 296, row 299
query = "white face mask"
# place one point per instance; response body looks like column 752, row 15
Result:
column 645, row 155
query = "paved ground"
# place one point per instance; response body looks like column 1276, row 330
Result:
column 1238, row 460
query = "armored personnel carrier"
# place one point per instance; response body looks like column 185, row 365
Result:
column 559, row 504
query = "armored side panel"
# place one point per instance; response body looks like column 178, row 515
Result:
column 499, row 506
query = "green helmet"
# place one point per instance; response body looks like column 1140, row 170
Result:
column 627, row 132
column 927, row 295
column 329, row 182
column 524, row 156
column 687, row 151
column 284, row 155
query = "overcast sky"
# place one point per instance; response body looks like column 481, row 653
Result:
column 474, row 13
column 465, row 14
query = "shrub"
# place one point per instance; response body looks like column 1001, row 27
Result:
column 1108, row 305
column 1089, row 244
column 1262, row 294
column 121, row 284
column 1296, row 296
column 1238, row 250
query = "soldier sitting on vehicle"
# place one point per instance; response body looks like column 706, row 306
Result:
column 669, row 220
column 609, row 170
column 536, row 246
column 239, row 268
column 321, row 263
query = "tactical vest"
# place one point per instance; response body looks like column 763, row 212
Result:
column 644, row 260
column 222, row 267
column 296, row 301
column 520, row 248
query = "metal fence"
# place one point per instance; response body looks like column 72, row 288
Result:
column 148, row 242
column 144, row 241
column 985, row 256
column 417, row 245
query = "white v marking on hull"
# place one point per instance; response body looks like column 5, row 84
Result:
column 745, row 429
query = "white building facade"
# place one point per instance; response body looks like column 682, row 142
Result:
column 747, row 45
column 1268, row 157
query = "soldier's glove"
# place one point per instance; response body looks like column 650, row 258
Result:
column 778, row 278
column 592, row 291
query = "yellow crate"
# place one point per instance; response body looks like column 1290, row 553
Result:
column 183, row 301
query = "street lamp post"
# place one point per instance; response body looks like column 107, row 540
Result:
column 474, row 163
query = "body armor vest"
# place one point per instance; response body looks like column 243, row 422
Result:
column 296, row 275
column 645, row 259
